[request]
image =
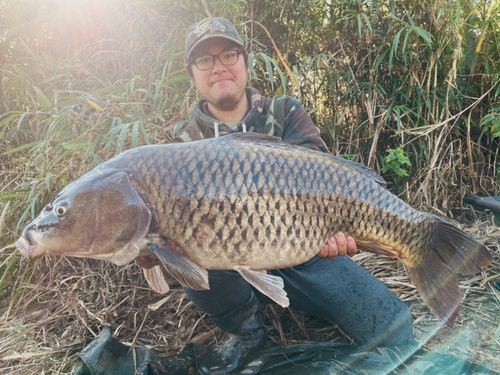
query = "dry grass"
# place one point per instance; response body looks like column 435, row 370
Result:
column 69, row 301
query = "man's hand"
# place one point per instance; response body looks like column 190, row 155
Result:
column 146, row 262
column 338, row 244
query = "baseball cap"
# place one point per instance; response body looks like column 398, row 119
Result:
column 210, row 28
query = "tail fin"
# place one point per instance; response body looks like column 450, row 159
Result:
column 435, row 277
column 462, row 253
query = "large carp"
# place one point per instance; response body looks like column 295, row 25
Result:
column 248, row 203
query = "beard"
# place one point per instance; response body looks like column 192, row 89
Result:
column 227, row 102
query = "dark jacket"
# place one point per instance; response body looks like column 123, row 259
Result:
column 280, row 117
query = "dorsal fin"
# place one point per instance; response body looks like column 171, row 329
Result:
column 368, row 172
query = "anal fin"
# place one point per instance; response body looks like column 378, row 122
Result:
column 185, row 270
column 271, row 286
column 374, row 247
column 156, row 280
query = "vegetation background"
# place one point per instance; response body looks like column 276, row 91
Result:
column 409, row 88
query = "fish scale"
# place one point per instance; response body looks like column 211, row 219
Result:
column 249, row 202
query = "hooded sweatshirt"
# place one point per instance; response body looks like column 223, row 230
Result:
column 279, row 117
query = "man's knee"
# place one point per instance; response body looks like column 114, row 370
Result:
column 228, row 290
column 400, row 332
column 393, row 325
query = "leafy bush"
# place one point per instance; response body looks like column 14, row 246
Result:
column 394, row 161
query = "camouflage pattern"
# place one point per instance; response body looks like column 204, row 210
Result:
column 279, row 117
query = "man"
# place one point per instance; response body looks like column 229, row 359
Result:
column 337, row 289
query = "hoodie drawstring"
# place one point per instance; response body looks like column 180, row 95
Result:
column 216, row 128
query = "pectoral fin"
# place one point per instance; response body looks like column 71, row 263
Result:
column 271, row 286
column 187, row 272
column 156, row 279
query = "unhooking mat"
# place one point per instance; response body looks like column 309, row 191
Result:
column 107, row 356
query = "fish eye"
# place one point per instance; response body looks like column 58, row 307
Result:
column 61, row 210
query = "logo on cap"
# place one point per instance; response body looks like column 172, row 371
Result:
column 207, row 25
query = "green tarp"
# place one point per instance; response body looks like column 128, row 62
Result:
column 105, row 355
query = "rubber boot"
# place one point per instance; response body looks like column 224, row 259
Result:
column 248, row 333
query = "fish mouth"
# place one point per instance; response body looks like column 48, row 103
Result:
column 28, row 249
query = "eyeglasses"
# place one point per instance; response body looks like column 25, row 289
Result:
column 226, row 58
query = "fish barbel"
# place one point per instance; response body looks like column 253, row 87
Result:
column 249, row 203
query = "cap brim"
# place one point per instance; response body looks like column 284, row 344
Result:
column 206, row 37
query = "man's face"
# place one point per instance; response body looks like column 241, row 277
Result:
column 223, row 86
